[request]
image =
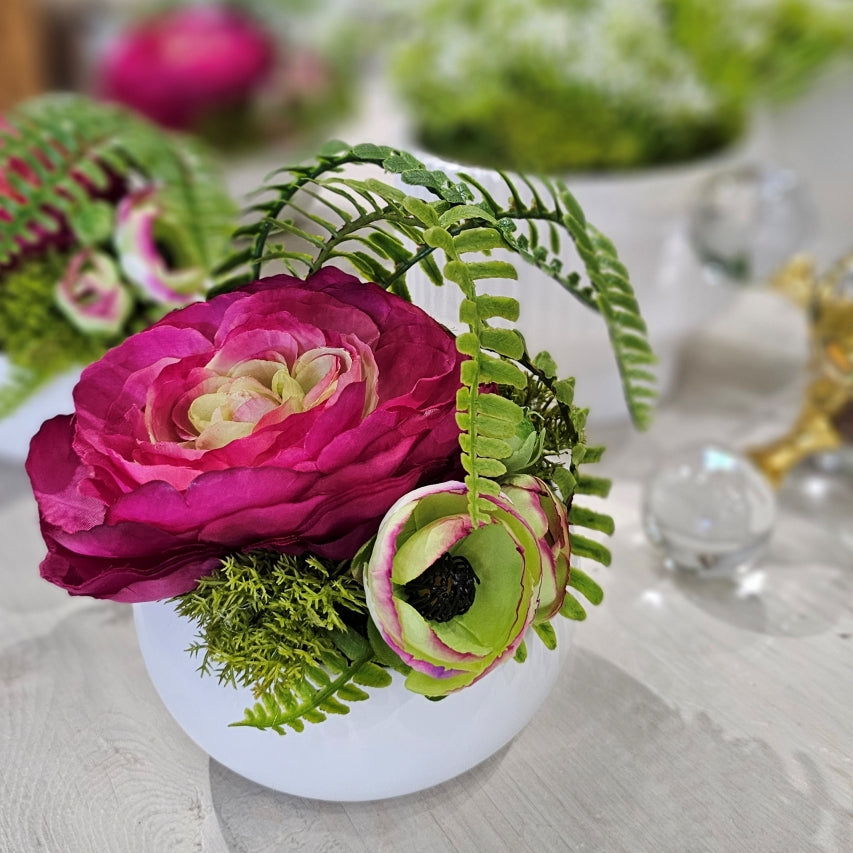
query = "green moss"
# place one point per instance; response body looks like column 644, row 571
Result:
column 526, row 132
column 34, row 334
column 265, row 618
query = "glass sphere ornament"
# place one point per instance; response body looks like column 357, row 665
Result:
column 748, row 220
column 709, row 511
column 821, row 488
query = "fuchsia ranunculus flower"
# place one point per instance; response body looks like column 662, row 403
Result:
column 178, row 65
column 289, row 415
column 453, row 601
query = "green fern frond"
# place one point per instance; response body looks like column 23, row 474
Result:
column 72, row 149
column 323, row 690
column 625, row 326
column 531, row 223
column 323, row 212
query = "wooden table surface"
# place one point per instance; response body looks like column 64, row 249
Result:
column 691, row 716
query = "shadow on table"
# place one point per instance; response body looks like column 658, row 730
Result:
column 605, row 765
column 802, row 587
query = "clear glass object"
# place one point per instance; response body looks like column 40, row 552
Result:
column 748, row 220
column 709, row 511
column 821, row 487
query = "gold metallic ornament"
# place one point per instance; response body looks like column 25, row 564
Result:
column 825, row 422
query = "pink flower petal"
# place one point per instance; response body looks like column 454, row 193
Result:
column 134, row 507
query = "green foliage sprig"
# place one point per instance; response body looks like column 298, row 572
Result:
column 264, row 617
column 63, row 138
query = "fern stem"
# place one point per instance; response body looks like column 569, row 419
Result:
column 348, row 229
column 549, row 383
column 283, row 718
column 307, row 175
column 403, row 267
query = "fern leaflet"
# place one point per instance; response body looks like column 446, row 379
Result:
column 323, row 690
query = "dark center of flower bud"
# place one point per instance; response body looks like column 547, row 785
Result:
column 167, row 254
column 446, row 589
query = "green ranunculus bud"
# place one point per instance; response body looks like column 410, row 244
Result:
column 91, row 294
column 527, row 448
column 453, row 601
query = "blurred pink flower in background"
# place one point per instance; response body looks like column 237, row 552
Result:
column 178, row 66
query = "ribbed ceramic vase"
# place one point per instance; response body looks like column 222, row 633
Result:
column 646, row 214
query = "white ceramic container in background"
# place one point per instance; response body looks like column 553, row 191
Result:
column 646, row 215
column 394, row 743
column 16, row 430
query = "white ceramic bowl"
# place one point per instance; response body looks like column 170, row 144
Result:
column 394, row 743
column 16, row 430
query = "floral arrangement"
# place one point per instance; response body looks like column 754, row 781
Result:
column 561, row 86
column 331, row 484
column 218, row 70
column 107, row 224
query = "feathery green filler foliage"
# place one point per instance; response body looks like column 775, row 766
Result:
column 264, row 617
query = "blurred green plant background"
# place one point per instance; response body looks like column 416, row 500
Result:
column 561, row 85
